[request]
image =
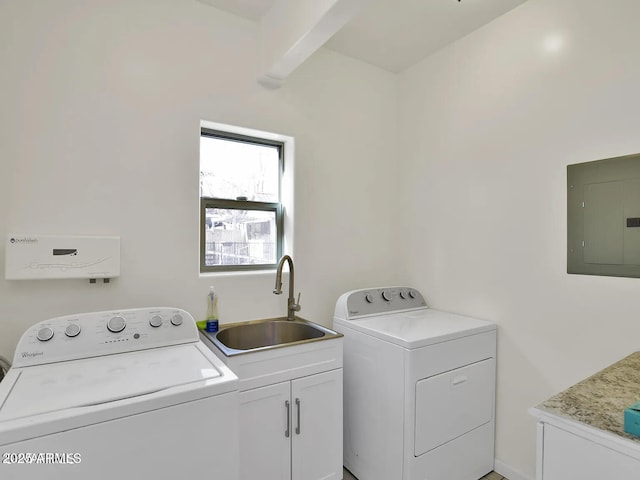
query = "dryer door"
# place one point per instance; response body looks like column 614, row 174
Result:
column 453, row 403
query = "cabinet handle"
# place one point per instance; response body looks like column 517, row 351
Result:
column 287, row 432
column 298, row 405
column 459, row 380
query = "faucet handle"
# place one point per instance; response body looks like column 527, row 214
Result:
column 296, row 306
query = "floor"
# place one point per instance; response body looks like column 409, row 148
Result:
column 488, row 476
column 493, row 476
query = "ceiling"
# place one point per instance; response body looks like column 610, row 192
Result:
column 250, row 9
column 395, row 34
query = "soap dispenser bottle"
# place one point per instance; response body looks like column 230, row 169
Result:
column 212, row 311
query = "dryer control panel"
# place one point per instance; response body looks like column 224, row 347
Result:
column 104, row 333
column 376, row 301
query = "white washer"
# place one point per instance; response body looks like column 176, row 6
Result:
column 419, row 388
column 119, row 394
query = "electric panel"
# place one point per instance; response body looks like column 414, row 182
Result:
column 603, row 217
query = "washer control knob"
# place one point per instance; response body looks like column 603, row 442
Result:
column 386, row 295
column 116, row 324
column 72, row 330
column 45, row 334
column 403, row 294
column 176, row 319
column 155, row 321
column 412, row 294
column 369, row 298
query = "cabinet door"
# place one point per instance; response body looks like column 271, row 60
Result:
column 317, row 427
column 265, row 448
column 568, row 456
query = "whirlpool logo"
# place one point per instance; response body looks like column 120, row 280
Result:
column 32, row 354
column 23, row 240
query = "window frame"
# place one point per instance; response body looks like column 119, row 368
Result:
column 239, row 204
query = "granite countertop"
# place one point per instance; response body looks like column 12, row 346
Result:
column 599, row 401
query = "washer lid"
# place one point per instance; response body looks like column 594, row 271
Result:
column 95, row 381
column 418, row 328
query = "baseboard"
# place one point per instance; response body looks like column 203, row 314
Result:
column 508, row 471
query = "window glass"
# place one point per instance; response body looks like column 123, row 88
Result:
column 234, row 169
column 240, row 237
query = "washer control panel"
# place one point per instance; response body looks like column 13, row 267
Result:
column 374, row 301
column 104, row 333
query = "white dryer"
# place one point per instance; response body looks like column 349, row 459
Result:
column 419, row 388
column 120, row 394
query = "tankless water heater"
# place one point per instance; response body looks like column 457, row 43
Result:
column 61, row 256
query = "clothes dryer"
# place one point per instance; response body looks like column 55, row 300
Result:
column 419, row 388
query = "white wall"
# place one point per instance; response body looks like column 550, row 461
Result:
column 101, row 102
column 488, row 126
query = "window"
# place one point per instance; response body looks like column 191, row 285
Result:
column 241, row 214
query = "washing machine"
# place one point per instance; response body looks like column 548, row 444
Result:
column 419, row 388
column 119, row 394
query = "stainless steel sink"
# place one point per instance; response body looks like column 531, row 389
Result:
column 256, row 335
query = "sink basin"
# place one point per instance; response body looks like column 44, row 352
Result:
column 244, row 337
column 266, row 334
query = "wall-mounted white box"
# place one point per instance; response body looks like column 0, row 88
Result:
column 61, row 256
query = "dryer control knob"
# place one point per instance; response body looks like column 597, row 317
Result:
column 176, row 319
column 412, row 294
column 369, row 298
column 45, row 334
column 116, row 324
column 403, row 294
column 72, row 330
column 386, row 295
column 155, row 321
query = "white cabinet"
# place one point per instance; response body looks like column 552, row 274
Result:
column 292, row 430
column 290, row 413
column 564, row 455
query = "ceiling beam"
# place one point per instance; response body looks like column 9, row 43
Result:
column 292, row 30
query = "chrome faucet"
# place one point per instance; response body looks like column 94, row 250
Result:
column 292, row 305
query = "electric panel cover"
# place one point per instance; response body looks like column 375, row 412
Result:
column 603, row 217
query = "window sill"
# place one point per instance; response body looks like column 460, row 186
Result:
column 238, row 273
